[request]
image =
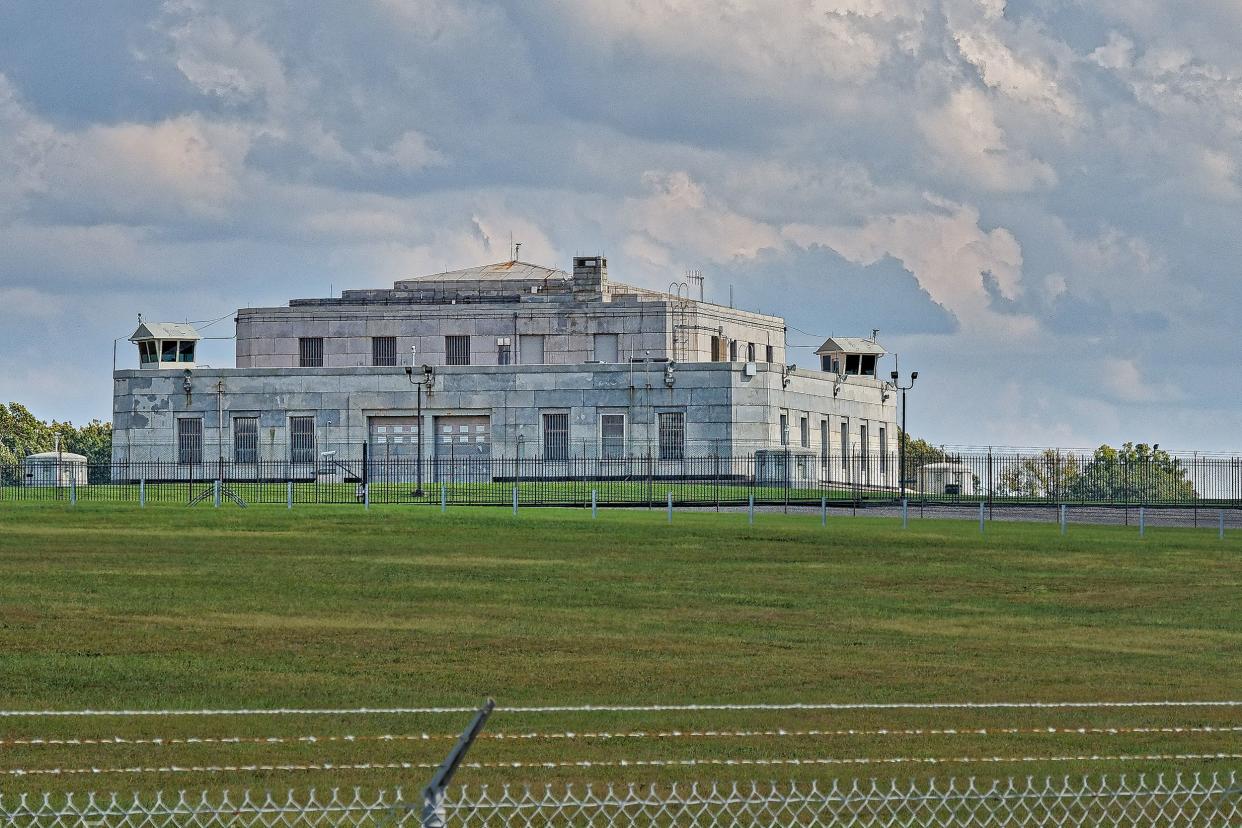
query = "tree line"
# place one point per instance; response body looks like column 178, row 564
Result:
column 23, row 434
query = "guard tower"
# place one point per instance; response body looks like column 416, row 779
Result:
column 165, row 345
column 850, row 356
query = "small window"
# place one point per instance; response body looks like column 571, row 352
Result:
column 672, row 435
column 883, row 450
column 245, row 439
column 851, row 364
column 504, row 350
column 825, row 363
column 168, row 350
column 457, row 350
column 310, row 352
column 733, row 350
column 384, row 351
column 845, row 443
column 612, row 436
column 302, row 439
column 862, row 444
column 770, row 354
column 750, row 352
column 606, row 349
column 784, row 428
column 531, row 346
column 804, row 431
column 823, row 443
column 185, row 351
column 189, row 441
column 556, row 436
column 868, row 365
column 147, row 353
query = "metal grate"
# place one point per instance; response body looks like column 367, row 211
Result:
column 384, row 351
column 612, row 436
column 245, row 439
column 310, row 352
column 301, row 439
column 555, row 436
column 457, row 350
column 189, row 441
column 672, row 435
column 504, row 350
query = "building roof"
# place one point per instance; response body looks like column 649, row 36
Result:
column 52, row 456
column 850, row 345
column 164, row 330
column 499, row 272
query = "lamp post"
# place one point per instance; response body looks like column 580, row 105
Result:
column 905, row 435
column 428, row 377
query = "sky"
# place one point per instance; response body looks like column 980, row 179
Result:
column 1038, row 203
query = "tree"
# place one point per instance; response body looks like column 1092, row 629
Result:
column 1052, row 474
column 1134, row 474
column 23, row 434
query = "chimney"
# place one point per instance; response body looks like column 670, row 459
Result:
column 590, row 277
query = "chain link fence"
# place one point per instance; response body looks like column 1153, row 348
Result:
column 1199, row 801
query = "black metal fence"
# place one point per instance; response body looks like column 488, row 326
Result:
column 772, row 476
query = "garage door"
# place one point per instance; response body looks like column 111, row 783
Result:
column 393, row 449
column 464, row 447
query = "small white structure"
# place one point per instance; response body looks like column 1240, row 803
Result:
column 946, row 479
column 771, row 470
column 55, row 468
column 849, row 356
column 165, row 344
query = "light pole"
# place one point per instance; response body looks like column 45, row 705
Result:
column 905, row 435
column 428, row 377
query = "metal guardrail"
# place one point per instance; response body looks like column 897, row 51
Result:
column 1172, row 801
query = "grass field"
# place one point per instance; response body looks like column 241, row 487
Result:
column 109, row 607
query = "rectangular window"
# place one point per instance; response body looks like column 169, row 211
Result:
column 185, row 353
column 868, row 365
column 457, row 350
column 606, row 348
column 189, row 441
column 168, row 350
column 823, row 443
column 310, row 352
column 147, row 354
column 770, row 355
column 784, row 428
column 672, row 435
column 301, row 439
column 531, row 346
column 863, row 452
column 750, row 352
column 612, row 436
column 733, row 350
column 805, row 432
column 845, row 444
column 851, row 364
column 504, row 350
column 245, row 439
column 883, row 450
column 718, row 349
column 384, row 351
column 555, row 436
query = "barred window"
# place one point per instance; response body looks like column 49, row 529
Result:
column 504, row 350
column 672, row 435
column 845, row 443
column 310, row 352
column 612, row 436
column 457, row 350
column 555, row 436
column 883, row 450
column 189, row 441
column 805, row 432
column 823, row 443
column 784, row 428
column 302, row 439
column 245, row 439
column 384, row 351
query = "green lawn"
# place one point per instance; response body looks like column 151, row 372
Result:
column 111, row 607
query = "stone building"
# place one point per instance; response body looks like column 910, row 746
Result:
column 505, row 361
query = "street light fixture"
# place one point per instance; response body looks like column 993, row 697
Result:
column 428, row 377
column 905, row 435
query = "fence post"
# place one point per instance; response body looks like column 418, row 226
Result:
column 670, row 505
column 751, row 508
column 981, row 528
column 1064, row 518
column 366, row 495
column 433, row 815
column 443, row 497
column 905, row 513
column 515, row 499
column 1222, row 524
column 823, row 510
column 1142, row 522
column 289, row 495
column 73, row 488
column 142, row 492
column 594, row 504
column 215, row 493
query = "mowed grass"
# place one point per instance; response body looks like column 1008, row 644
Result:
column 111, row 607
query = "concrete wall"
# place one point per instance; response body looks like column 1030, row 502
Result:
column 726, row 410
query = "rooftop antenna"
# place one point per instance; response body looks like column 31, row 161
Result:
column 874, row 333
column 517, row 251
column 696, row 276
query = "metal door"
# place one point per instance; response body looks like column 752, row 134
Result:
column 463, row 448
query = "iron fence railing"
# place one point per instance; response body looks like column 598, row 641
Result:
column 351, row 474
column 1172, row 801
